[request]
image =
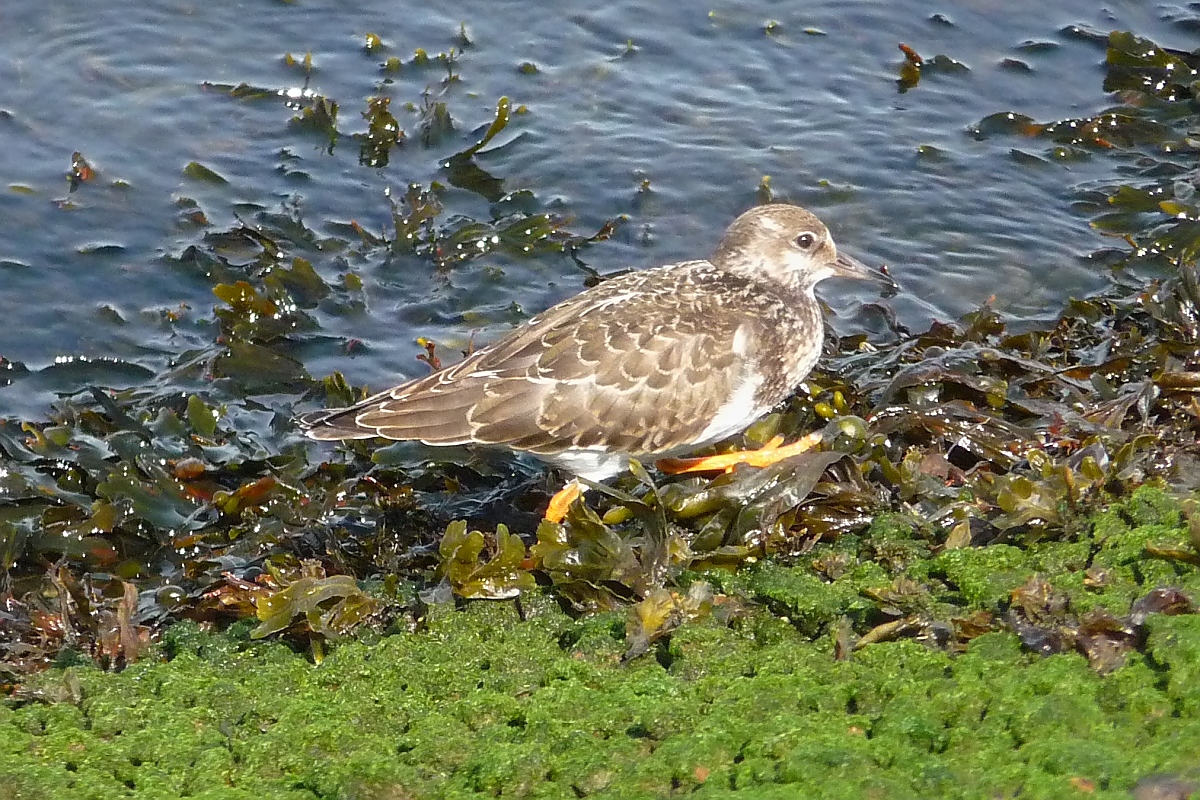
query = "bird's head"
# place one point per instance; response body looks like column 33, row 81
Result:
column 789, row 245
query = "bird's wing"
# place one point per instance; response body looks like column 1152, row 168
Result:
column 637, row 364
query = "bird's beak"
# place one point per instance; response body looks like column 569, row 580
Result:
column 847, row 266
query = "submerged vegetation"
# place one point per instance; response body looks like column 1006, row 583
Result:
column 992, row 512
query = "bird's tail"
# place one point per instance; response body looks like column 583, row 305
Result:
column 333, row 424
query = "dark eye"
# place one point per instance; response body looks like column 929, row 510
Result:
column 805, row 241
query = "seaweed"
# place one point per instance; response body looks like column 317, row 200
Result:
column 967, row 478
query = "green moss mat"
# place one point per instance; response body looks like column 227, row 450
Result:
column 501, row 700
column 483, row 704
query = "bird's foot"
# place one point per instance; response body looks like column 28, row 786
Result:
column 772, row 452
column 561, row 501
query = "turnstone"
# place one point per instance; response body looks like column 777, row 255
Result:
column 646, row 364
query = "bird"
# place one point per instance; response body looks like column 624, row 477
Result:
column 648, row 364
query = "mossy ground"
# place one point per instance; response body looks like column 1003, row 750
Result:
column 518, row 699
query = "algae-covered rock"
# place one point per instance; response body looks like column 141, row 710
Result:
column 497, row 699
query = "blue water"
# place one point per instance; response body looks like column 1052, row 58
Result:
column 700, row 101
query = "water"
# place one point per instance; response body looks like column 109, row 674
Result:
column 699, row 101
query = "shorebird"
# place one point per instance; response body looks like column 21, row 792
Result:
column 648, row 365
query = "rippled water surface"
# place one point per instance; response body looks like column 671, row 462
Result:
column 670, row 114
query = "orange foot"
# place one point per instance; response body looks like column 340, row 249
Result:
column 769, row 453
column 561, row 501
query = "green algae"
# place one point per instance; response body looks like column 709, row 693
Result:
column 520, row 700
column 1174, row 644
column 985, row 576
column 803, row 598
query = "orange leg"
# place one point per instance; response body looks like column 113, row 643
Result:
column 562, row 500
column 772, row 452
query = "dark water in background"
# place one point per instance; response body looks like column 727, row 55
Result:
column 704, row 104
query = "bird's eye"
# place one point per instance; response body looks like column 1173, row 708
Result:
column 806, row 240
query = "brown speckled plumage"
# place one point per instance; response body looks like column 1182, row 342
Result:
column 650, row 363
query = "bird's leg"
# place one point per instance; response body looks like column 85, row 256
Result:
column 772, row 452
column 562, row 500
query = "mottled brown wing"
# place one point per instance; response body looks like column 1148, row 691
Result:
column 638, row 364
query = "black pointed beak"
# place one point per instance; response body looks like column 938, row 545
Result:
column 847, row 266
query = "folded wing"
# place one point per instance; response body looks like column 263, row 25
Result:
column 617, row 367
